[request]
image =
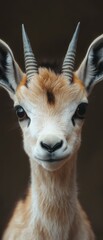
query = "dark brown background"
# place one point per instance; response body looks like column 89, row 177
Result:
column 50, row 25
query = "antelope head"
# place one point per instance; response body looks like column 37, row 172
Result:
column 51, row 107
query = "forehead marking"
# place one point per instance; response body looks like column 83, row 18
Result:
column 50, row 97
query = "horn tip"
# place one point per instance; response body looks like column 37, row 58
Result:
column 23, row 28
column 24, row 35
column 73, row 43
column 78, row 24
column 78, row 27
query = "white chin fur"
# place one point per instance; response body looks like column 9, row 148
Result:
column 52, row 166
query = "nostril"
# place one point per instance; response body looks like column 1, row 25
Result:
column 57, row 145
column 45, row 146
column 51, row 148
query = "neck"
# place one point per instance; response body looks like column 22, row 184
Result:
column 54, row 195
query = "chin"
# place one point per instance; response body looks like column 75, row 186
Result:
column 53, row 165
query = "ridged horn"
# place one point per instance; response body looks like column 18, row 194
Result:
column 30, row 61
column 69, row 60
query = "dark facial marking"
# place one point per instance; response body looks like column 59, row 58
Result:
column 50, row 97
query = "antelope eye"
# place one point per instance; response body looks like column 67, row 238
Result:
column 21, row 114
column 80, row 112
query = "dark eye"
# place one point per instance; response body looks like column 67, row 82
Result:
column 21, row 114
column 80, row 112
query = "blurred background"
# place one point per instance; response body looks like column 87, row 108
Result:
column 50, row 25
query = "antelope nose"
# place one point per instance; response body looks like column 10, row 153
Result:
column 51, row 147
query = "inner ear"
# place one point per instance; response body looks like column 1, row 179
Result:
column 91, row 69
column 98, row 59
column 95, row 65
column 10, row 73
column 3, row 69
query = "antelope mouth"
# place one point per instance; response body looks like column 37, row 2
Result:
column 52, row 160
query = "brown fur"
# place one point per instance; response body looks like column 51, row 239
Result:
column 48, row 81
column 23, row 82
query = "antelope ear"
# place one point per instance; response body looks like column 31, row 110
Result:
column 91, row 69
column 10, row 73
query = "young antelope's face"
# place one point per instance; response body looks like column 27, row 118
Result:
column 51, row 111
column 50, row 107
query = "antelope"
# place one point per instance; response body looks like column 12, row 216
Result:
column 51, row 109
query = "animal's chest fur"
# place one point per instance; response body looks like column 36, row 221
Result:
column 38, row 229
column 51, row 229
column 59, row 222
